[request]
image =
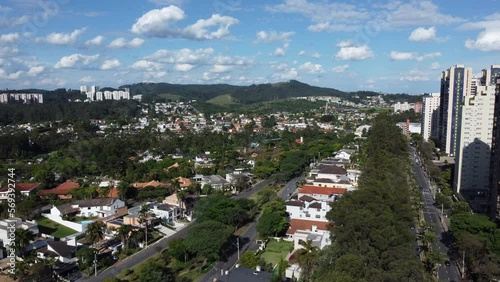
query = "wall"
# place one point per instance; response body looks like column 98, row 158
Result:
column 73, row 225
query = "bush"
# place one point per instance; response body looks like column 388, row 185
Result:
column 126, row 272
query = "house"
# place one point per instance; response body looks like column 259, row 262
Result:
column 25, row 189
column 308, row 208
column 165, row 212
column 343, row 182
column 301, row 230
column 328, row 171
column 101, row 207
column 9, row 225
column 183, row 182
column 60, row 250
column 153, row 183
column 345, row 154
column 63, row 190
column 203, row 158
column 216, row 181
column 326, row 194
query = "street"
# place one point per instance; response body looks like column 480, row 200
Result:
column 157, row 247
column 248, row 239
column 432, row 215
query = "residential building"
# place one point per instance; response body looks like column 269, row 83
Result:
column 101, row 207
column 216, row 181
column 430, row 116
column 9, row 225
column 60, row 250
column 321, row 193
column 494, row 210
column 307, row 207
column 456, row 84
column 474, row 135
column 165, row 212
column 25, row 189
column 301, row 229
column 63, row 190
column 25, row 98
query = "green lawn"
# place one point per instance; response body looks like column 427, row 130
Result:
column 222, row 100
column 276, row 250
column 53, row 228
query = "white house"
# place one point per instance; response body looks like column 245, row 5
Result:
column 331, row 172
column 307, row 208
column 165, row 212
column 101, row 207
column 301, row 229
column 344, row 154
column 7, row 226
column 60, row 250
column 321, row 193
column 216, row 181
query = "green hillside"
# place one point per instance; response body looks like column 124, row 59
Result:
column 222, row 100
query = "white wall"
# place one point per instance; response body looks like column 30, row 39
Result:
column 73, row 225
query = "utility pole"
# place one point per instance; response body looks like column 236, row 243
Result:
column 238, row 245
column 95, row 262
column 463, row 266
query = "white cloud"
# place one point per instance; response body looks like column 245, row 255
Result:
column 52, row 81
column 9, row 38
column 36, row 70
column 10, row 76
column 6, row 22
column 221, row 68
column 286, row 74
column 351, row 52
column 315, row 55
column 341, row 68
column 74, row 59
column 160, row 23
column 415, row 75
column 329, row 27
column 345, row 43
column 428, row 56
column 435, row 66
column 279, row 52
column 415, row 13
column 122, row 43
column 183, row 56
column 422, row 34
column 395, row 55
column 489, row 37
column 86, row 79
column 6, row 52
column 93, row 14
column 183, row 67
column 95, row 41
column 273, row 36
column 110, row 64
column 62, row 38
column 311, row 68
column 147, row 65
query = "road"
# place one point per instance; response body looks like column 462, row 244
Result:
column 160, row 245
column 432, row 215
column 247, row 240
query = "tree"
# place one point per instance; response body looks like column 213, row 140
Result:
column 123, row 190
column 207, row 238
column 428, row 238
column 222, row 209
column 249, row 260
column 95, row 232
column 460, row 207
column 124, row 233
column 85, row 257
column 432, row 259
column 271, row 224
column 177, row 248
column 306, row 258
column 22, row 239
column 155, row 272
column 144, row 214
column 207, row 189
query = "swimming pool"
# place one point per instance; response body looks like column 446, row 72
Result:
column 86, row 222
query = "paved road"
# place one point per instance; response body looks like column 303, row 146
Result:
column 158, row 246
column 432, row 215
column 247, row 240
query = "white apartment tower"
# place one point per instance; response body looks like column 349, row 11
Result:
column 456, row 85
column 430, row 116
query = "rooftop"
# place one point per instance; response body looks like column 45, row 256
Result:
column 310, row 189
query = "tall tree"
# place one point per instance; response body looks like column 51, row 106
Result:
column 22, row 239
column 95, row 232
column 144, row 215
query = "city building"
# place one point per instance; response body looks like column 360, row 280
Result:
column 430, row 116
column 456, row 84
column 25, row 98
column 472, row 154
column 495, row 157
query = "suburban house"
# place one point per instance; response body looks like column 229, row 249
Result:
column 60, row 250
column 302, row 230
column 321, row 193
column 153, row 183
column 345, row 154
column 63, row 190
column 101, row 207
column 26, row 189
column 308, row 208
column 183, row 182
column 327, row 182
column 331, row 172
column 15, row 223
column 216, row 181
column 165, row 212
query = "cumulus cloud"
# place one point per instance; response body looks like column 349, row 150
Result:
column 9, row 38
column 221, row 68
column 110, row 64
column 279, row 52
column 311, row 68
column 8, row 51
column 147, row 65
column 62, row 38
column 422, row 34
column 182, row 56
column 86, row 79
column 400, row 56
column 341, row 68
column 161, row 23
column 10, row 76
column 414, row 75
column 123, row 43
column 96, row 41
column 35, row 70
column 315, row 55
column 352, row 52
column 75, row 59
column 415, row 13
column 183, row 67
column 286, row 74
column 273, row 36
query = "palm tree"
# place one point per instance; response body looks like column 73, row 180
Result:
column 428, row 238
column 181, row 197
column 306, row 257
column 124, row 233
column 95, row 232
column 22, row 239
column 143, row 219
column 123, row 188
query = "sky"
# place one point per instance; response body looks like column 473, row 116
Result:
column 387, row 46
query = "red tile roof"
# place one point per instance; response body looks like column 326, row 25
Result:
column 113, row 193
column 310, row 189
column 21, row 187
column 62, row 189
column 302, row 224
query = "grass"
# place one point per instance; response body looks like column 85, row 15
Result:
column 222, row 100
column 171, row 97
column 53, row 228
column 276, row 250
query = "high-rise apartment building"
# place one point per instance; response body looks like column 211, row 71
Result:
column 430, row 116
column 495, row 157
column 455, row 86
column 473, row 147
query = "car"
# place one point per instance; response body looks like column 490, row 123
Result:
column 447, row 263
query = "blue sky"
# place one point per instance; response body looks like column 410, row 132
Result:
column 388, row 46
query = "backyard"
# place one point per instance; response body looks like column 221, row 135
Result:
column 275, row 251
column 49, row 227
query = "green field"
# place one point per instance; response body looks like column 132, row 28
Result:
column 171, row 97
column 52, row 228
column 222, row 100
column 276, row 250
